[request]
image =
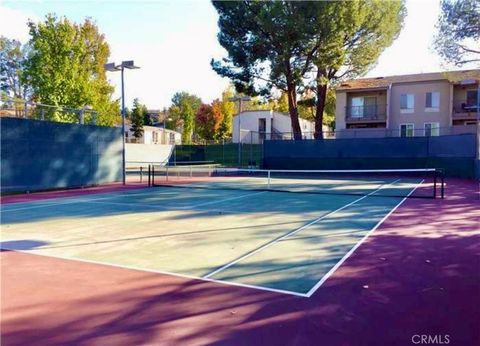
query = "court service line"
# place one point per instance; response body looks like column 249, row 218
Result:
column 352, row 250
column 222, row 200
column 69, row 200
column 183, row 276
column 276, row 240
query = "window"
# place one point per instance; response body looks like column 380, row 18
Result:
column 357, row 107
column 432, row 101
column 363, row 107
column 431, row 129
column 472, row 97
column 406, row 130
column 406, row 103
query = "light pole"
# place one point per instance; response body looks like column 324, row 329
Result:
column 239, row 99
column 478, row 125
column 111, row 67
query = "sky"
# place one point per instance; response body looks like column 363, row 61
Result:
column 173, row 42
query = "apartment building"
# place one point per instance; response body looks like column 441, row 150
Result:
column 427, row 104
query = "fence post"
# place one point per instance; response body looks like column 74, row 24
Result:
column 81, row 117
column 223, row 152
column 251, row 147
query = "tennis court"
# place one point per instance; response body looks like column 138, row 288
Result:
column 225, row 227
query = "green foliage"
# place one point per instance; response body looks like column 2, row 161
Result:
column 227, row 109
column 266, row 47
column 13, row 81
column 137, row 117
column 182, row 114
column 146, row 117
column 298, row 46
column 188, row 121
column 66, row 67
column 457, row 40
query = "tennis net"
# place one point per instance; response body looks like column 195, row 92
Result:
column 421, row 183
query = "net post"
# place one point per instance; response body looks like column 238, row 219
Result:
column 435, row 183
column 153, row 175
column 191, row 171
column 166, row 173
column 268, row 180
column 149, row 175
column 442, row 186
column 141, row 174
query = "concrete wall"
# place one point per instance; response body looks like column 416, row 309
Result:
column 420, row 115
column 40, row 155
column 142, row 154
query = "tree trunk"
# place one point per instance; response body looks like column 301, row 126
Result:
column 321, row 98
column 293, row 110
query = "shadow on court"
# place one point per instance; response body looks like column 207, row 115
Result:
column 418, row 274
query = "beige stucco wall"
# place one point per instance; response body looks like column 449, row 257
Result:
column 163, row 136
column 340, row 104
column 420, row 116
column 460, row 92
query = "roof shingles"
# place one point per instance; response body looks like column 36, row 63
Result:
column 384, row 82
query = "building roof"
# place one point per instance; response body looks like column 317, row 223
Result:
column 384, row 82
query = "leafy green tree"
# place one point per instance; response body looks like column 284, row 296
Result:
column 182, row 114
column 293, row 46
column 137, row 117
column 13, row 81
column 66, row 67
column 347, row 39
column 267, row 48
column 147, row 120
column 227, row 109
column 458, row 37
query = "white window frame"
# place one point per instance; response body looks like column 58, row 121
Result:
column 407, row 110
column 406, row 130
column 433, row 108
column 355, row 109
column 436, row 127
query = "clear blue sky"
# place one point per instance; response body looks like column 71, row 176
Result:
column 174, row 41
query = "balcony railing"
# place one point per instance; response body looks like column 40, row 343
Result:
column 366, row 113
column 460, row 107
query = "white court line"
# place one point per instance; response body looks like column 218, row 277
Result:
column 223, row 200
column 274, row 241
column 352, row 250
column 68, row 200
column 62, row 201
column 229, row 283
column 185, row 276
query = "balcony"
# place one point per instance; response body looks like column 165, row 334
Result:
column 465, row 109
column 366, row 114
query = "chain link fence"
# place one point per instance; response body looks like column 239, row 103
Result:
column 16, row 108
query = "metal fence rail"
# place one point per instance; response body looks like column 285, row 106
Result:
column 255, row 137
column 15, row 108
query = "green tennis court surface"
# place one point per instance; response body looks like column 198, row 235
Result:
column 287, row 242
